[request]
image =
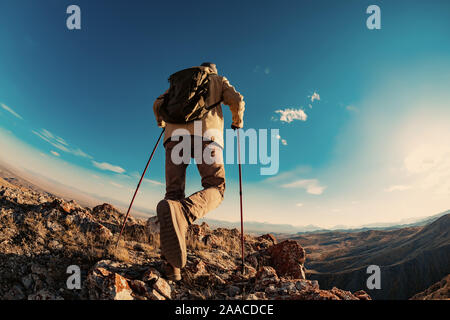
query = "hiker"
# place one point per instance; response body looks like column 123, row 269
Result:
column 177, row 211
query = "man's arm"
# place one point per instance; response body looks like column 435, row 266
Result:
column 156, row 105
column 235, row 101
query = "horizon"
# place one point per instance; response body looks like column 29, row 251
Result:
column 363, row 114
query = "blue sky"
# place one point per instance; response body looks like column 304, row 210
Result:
column 76, row 106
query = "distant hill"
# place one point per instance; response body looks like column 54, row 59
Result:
column 262, row 227
column 282, row 230
column 411, row 259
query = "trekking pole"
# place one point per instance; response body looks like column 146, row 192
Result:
column 139, row 184
column 240, row 196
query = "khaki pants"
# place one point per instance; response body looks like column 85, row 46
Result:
column 200, row 203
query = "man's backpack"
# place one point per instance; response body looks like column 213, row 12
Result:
column 186, row 99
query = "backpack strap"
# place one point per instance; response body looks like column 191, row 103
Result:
column 213, row 105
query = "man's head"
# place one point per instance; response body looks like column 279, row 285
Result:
column 210, row 65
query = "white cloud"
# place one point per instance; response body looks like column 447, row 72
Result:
column 115, row 184
column 312, row 186
column 10, row 110
column 61, row 140
column 397, row 188
column 108, row 167
column 56, row 154
column 59, row 143
column 288, row 115
column 153, row 182
column 315, row 96
column 80, row 153
column 283, row 141
column 299, row 204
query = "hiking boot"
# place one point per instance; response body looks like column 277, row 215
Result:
column 172, row 273
column 173, row 227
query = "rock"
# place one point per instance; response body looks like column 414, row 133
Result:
column 16, row 293
column 102, row 232
column 269, row 237
column 70, row 206
column 54, row 226
column 64, row 207
column 152, row 225
column 266, row 275
column 44, row 295
column 106, row 285
column 163, row 288
column 288, row 258
column 138, row 286
column 38, row 269
column 198, row 269
column 151, row 275
column 343, row 295
column 233, row 291
column 55, row 245
column 27, row 281
column 362, row 295
column 155, row 295
column 438, row 291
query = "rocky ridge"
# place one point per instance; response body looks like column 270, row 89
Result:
column 42, row 235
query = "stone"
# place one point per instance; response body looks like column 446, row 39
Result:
column 233, row 291
column 151, row 275
column 27, row 281
column 106, row 285
column 288, row 258
column 152, row 225
column 16, row 293
column 155, row 295
column 103, row 232
column 270, row 237
column 342, row 294
column 362, row 295
column 163, row 288
column 38, row 269
column 44, row 294
column 266, row 275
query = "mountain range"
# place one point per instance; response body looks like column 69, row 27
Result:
column 410, row 259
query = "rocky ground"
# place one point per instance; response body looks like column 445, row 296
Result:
column 41, row 236
column 438, row 291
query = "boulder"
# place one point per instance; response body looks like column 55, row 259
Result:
column 106, row 285
column 288, row 258
column 163, row 288
column 266, row 275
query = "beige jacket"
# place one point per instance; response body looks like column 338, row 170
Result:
column 212, row 124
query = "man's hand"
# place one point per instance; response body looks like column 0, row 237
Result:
column 161, row 124
column 234, row 127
